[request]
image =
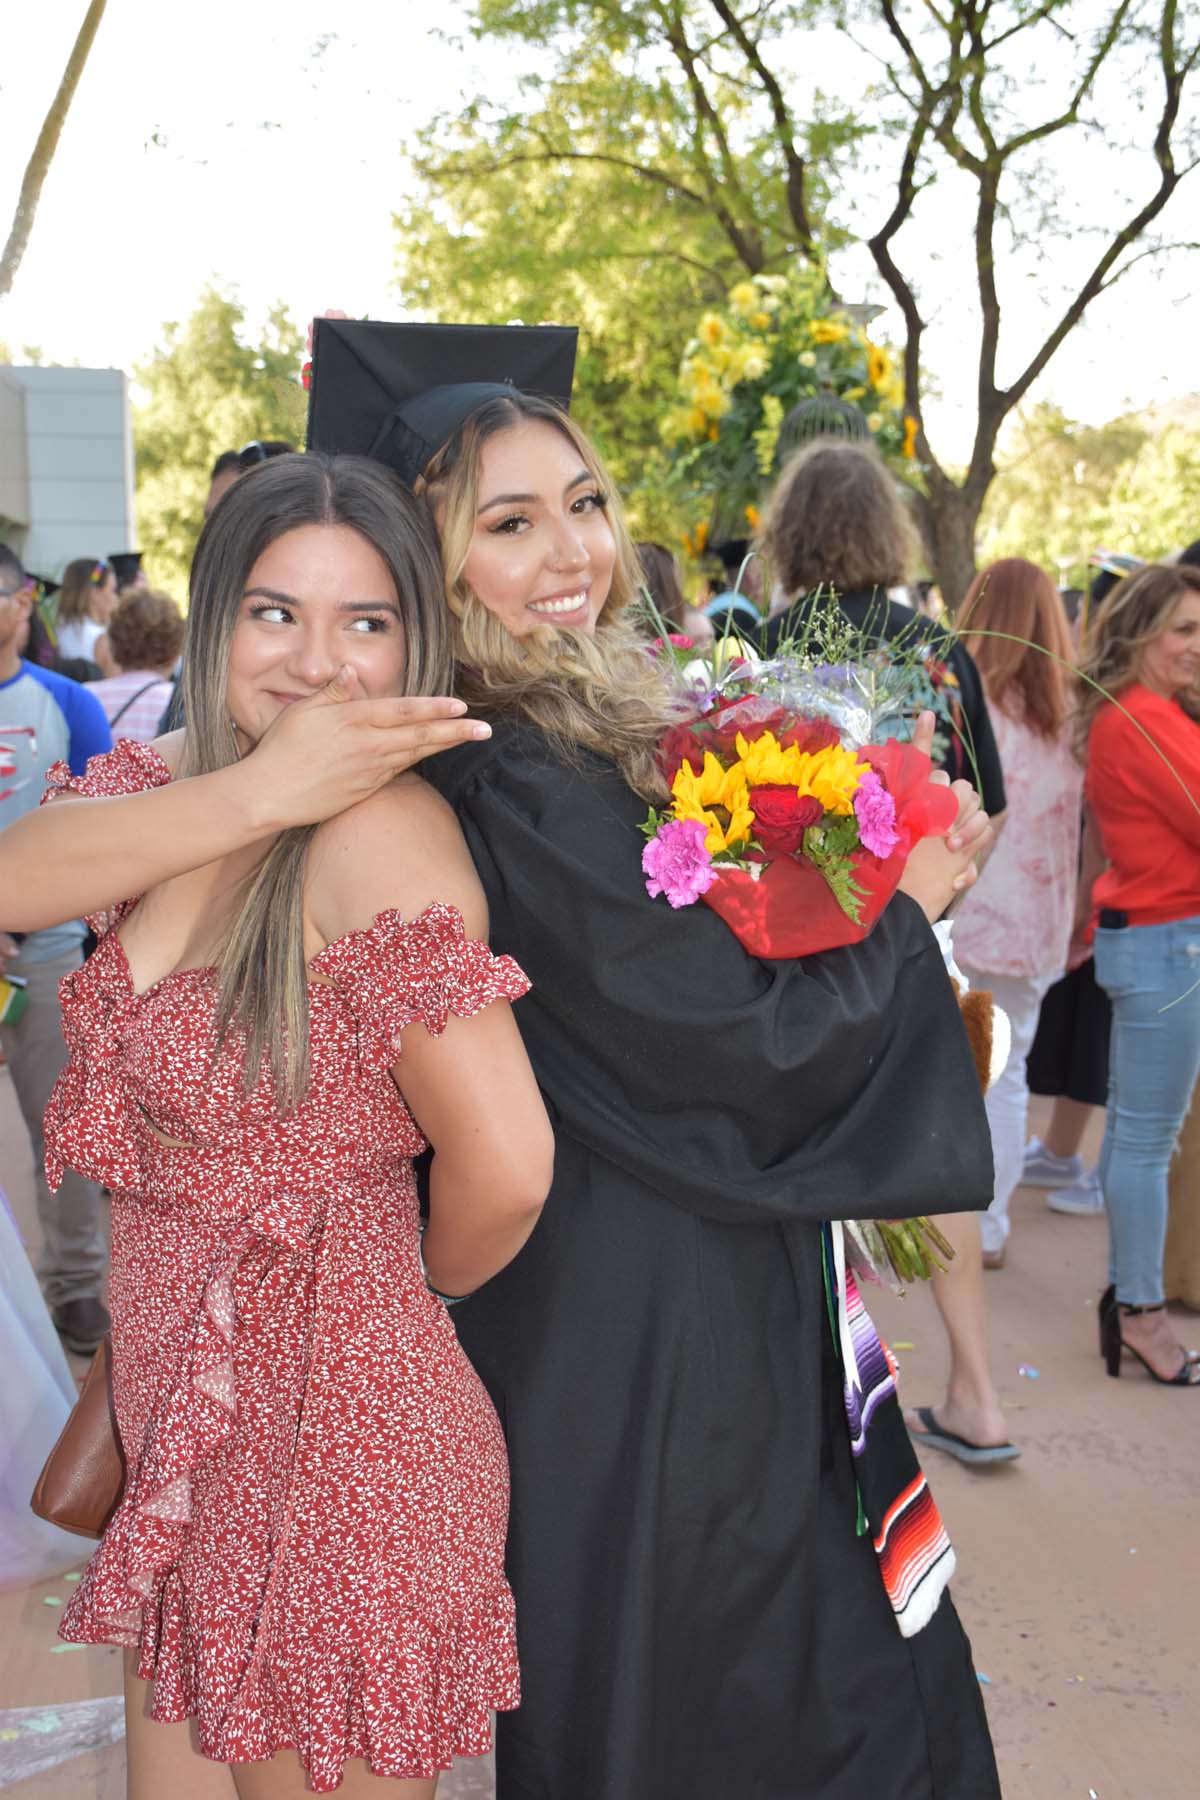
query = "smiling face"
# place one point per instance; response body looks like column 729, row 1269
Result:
column 1171, row 661
column 318, row 597
column 542, row 550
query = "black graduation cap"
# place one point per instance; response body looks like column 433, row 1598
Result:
column 126, row 566
column 397, row 392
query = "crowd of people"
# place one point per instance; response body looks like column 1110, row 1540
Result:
column 436, row 1150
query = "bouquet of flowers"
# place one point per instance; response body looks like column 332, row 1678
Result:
column 795, row 829
column 790, row 830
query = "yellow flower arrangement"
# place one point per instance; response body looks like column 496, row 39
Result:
column 698, row 796
column 777, row 341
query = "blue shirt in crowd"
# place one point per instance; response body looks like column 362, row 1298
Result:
column 44, row 719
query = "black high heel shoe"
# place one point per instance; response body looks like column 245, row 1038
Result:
column 1108, row 1304
column 1112, row 1344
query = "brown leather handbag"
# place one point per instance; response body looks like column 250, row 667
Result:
column 85, row 1472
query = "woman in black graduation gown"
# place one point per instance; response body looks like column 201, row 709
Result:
column 698, row 1617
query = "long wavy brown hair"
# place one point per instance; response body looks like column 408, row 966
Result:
column 1019, row 602
column 836, row 519
column 599, row 692
column 1138, row 610
column 263, row 986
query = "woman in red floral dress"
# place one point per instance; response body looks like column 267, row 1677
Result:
column 307, row 1560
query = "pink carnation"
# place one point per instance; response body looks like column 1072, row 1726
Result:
column 677, row 864
column 875, row 811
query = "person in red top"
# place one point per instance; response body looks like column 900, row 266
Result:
column 1143, row 787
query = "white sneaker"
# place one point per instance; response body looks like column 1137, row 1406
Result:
column 1084, row 1197
column 1045, row 1170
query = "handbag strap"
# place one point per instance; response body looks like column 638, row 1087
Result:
column 118, row 716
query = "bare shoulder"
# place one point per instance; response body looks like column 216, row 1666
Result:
column 401, row 848
column 170, row 747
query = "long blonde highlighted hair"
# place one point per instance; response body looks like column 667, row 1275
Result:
column 1137, row 610
column 598, row 692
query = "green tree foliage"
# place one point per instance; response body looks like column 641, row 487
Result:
column 205, row 390
column 662, row 151
column 1065, row 489
column 626, row 194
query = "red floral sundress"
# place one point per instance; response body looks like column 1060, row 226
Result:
column 309, row 1549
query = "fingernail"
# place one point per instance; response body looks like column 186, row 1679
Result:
column 458, row 707
column 481, row 731
column 954, row 843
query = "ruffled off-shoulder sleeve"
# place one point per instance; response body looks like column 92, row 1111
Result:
column 130, row 768
column 401, row 972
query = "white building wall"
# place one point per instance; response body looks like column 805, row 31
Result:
column 79, row 460
column 14, row 472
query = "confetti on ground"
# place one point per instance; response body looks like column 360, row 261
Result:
column 1133, row 1551
column 61, row 1649
column 986, row 1680
column 1076, row 1680
column 1029, row 1372
column 51, row 1600
column 903, row 1344
column 75, row 1575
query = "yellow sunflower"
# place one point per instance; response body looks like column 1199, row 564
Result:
column 765, row 764
column 879, row 365
column 831, row 776
column 718, row 799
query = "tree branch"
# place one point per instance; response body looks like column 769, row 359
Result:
column 551, row 154
column 797, row 175
column 746, row 242
column 38, row 165
column 1169, row 178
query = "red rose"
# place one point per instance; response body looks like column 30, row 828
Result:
column 811, row 735
column 781, row 817
column 679, row 745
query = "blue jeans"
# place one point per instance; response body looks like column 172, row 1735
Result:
column 1153, row 1063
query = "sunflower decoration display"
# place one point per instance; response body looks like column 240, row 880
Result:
column 778, row 341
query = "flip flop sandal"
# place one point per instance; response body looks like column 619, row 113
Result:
column 938, row 1438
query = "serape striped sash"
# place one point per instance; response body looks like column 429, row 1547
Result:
column 916, row 1559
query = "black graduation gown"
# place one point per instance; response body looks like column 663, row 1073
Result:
column 697, row 1617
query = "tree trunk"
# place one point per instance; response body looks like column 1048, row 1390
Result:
column 43, row 151
column 949, row 516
